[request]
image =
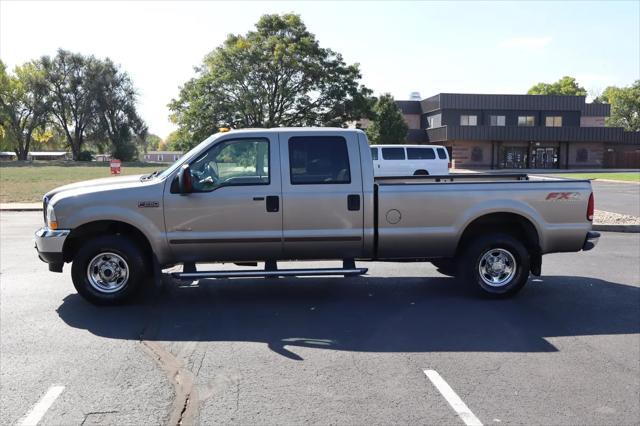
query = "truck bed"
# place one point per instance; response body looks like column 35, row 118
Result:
column 426, row 215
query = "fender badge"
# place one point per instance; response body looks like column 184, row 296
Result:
column 143, row 204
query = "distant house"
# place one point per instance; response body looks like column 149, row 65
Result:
column 7, row 155
column 102, row 157
column 48, row 155
column 162, row 156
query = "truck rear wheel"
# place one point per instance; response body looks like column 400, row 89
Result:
column 498, row 265
column 108, row 270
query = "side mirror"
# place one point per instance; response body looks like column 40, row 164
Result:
column 184, row 180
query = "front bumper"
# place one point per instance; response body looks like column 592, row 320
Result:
column 591, row 241
column 49, row 244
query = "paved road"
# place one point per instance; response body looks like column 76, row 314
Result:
column 614, row 197
column 320, row 350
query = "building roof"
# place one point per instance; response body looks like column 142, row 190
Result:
column 596, row 110
column 504, row 102
column 409, row 107
column 164, row 152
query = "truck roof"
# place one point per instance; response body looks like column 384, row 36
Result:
column 293, row 129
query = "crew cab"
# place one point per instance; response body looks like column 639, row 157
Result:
column 268, row 195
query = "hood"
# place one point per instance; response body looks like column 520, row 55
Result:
column 98, row 184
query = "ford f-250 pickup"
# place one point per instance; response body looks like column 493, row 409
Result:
column 269, row 195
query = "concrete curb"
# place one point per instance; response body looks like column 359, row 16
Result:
column 617, row 228
column 20, row 207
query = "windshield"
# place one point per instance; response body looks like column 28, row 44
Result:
column 189, row 155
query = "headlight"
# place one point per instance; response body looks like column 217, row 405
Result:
column 52, row 222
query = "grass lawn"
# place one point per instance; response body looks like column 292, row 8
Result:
column 28, row 183
column 629, row 177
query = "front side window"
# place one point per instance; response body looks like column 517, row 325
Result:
column 468, row 120
column 393, row 153
column 232, row 162
column 420, row 154
column 374, row 153
column 317, row 160
column 497, row 120
column 552, row 121
column 526, row 120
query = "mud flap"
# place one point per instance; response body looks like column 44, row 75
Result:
column 536, row 264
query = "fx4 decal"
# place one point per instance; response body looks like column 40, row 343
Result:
column 554, row 196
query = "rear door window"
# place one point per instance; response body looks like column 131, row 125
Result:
column 421, row 154
column 442, row 153
column 393, row 153
column 318, row 160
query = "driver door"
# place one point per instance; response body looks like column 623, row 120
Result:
column 235, row 211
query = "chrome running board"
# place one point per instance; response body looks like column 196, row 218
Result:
column 276, row 273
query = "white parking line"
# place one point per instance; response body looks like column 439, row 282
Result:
column 453, row 399
column 38, row 410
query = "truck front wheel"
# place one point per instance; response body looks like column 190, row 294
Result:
column 497, row 264
column 108, row 270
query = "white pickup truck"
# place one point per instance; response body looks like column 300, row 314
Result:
column 306, row 194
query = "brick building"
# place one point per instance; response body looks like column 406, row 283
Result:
column 521, row 131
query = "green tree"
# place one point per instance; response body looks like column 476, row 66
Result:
column 23, row 108
column 566, row 86
column 115, row 108
column 625, row 106
column 175, row 142
column 152, row 142
column 388, row 125
column 72, row 103
column 277, row 75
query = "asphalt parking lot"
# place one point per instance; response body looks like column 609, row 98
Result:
column 324, row 350
column 623, row 198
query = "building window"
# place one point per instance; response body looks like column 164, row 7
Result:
column 497, row 120
column 435, row 120
column 468, row 120
column 526, row 120
column 582, row 155
column 553, row 121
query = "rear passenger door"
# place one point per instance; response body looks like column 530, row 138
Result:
column 322, row 195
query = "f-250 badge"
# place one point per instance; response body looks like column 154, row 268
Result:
column 142, row 204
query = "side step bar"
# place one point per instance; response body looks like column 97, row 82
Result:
column 276, row 273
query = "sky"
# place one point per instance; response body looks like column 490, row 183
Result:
column 402, row 47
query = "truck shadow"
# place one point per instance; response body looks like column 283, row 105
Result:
column 368, row 314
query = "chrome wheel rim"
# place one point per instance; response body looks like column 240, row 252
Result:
column 108, row 272
column 497, row 267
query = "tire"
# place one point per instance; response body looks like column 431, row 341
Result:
column 421, row 173
column 117, row 274
column 501, row 250
column 446, row 267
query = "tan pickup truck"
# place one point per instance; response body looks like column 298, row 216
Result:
column 267, row 195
